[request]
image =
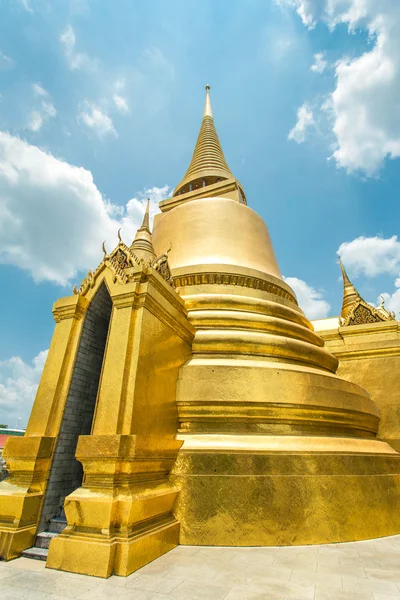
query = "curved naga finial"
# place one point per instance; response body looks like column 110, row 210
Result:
column 104, row 248
column 119, row 235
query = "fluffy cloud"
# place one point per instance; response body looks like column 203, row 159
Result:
column 44, row 112
column 305, row 9
column 305, row 120
column 363, row 109
column 96, row 119
column 119, row 100
column 53, row 218
column 26, row 5
column 18, row 385
column 310, row 300
column 121, row 103
column 6, row 62
column 319, row 64
column 392, row 301
column 75, row 60
column 373, row 256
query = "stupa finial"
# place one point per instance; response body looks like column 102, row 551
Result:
column 207, row 104
column 208, row 164
column 142, row 245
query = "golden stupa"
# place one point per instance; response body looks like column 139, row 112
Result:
column 213, row 413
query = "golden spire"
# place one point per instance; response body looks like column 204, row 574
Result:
column 350, row 294
column 142, row 245
column 208, row 164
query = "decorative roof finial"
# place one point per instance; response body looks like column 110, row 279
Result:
column 344, row 274
column 146, row 218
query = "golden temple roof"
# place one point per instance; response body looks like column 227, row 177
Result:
column 208, row 164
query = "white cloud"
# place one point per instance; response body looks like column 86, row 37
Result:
column 6, row 62
column 364, row 111
column 18, row 384
column 305, row 120
column 53, row 218
column 75, row 60
column 35, row 121
column 96, row 119
column 392, row 301
column 310, row 300
column 26, row 4
column 374, row 256
column 320, row 63
column 38, row 90
column 121, row 103
column 371, row 256
column 45, row 111
column 305, row 9
column 158, row 61
column 119, row 100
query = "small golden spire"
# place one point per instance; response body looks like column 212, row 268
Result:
column 146, row 218
column 350, row 294
column 208, row 164
column 142, row 245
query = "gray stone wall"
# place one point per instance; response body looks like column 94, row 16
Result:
column 66, row 472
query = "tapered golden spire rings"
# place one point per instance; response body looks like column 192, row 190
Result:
column 208, row 164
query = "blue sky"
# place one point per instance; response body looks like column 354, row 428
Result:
column 100, row 106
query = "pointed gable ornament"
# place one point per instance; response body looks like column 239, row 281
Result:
column 355, row 311
column 126, row 261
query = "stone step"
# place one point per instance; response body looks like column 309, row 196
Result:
column 44, row 538
column 56, row 525
column 36, row 553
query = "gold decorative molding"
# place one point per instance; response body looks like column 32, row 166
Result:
column 74, row 309
column 233, row 279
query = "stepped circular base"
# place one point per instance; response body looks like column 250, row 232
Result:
column 263, row 497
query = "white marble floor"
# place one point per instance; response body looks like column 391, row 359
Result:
column 367, row 570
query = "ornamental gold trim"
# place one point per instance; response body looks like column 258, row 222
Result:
column 214, row 278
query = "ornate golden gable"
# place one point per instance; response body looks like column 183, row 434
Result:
column 355, row 311
column 125, row 265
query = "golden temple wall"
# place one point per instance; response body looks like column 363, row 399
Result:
column 369, row 355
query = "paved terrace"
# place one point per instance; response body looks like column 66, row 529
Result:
column 367, row 570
